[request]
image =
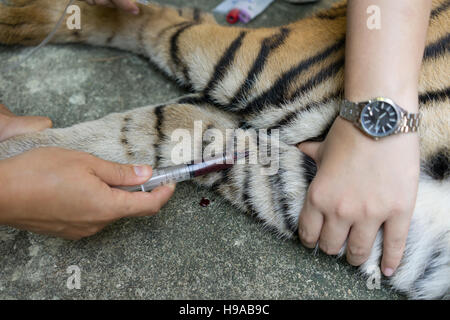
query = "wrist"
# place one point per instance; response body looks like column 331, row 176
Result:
column 405, row 96
column 350, row 132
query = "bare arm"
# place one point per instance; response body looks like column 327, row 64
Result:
column 386, row 62
column 364, row 184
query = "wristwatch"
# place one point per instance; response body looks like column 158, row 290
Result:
column 379, row 117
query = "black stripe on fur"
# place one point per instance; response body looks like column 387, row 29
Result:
column 438, row 165
column 268, row 45
column 197, row 14
column 438, row 48
column 437, row 11
column 159, row 114
column 292, row 116
column 320, row 77
column 174, row 52
column 433, row 96
column 224, row 63
column 278, row 91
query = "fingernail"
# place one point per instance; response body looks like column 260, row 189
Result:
column 141, row 171
column 388, row 272
column 135, row 11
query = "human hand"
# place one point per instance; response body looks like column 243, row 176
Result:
column 12, row 125
column 126, row 5
column 67, row 193
column 360, row 185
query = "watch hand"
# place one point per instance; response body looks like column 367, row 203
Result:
column 376, row 125
column 384, row 114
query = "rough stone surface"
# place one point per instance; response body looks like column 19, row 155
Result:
column 185, row 252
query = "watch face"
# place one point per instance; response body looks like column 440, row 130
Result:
column 379, row 118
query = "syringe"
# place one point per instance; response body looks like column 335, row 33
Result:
column 183, row 172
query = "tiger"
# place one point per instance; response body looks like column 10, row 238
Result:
column 287, row 79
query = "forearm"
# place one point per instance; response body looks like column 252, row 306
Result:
column 386, row 61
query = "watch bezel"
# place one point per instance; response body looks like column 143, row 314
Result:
column 381, row 134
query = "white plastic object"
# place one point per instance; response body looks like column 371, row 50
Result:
column 251, row 8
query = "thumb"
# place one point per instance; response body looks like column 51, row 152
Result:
column 116, row 174
column 311, row 149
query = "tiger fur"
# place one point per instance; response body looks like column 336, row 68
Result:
column 288, row 78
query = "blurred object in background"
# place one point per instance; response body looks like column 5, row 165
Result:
column 245, row 10
column 300, row 1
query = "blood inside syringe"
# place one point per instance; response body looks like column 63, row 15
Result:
column 179, row 173
column 215, row 164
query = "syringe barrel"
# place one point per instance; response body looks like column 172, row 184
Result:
column 183, row 172
column 162, row 176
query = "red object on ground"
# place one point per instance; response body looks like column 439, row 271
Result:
column 204, row 202
column 233, row 16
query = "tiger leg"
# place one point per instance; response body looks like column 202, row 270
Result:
column 160, row 33
column 28, row 22
column 136, row 136
column 225, row 64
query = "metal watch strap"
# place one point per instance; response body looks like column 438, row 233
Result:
column 350, row 111
column 410, row 122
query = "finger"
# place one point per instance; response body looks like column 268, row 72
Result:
column 115, row 174
column 333, row 235
column 395, row 234
column 4, row 110
column 127, row 5
column 311, row 149
column 31, row 124
column 22, row 125
column 309, row 225
column 134, row 204
column 360, row 242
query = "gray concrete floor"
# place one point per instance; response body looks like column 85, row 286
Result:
column 185, row 252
